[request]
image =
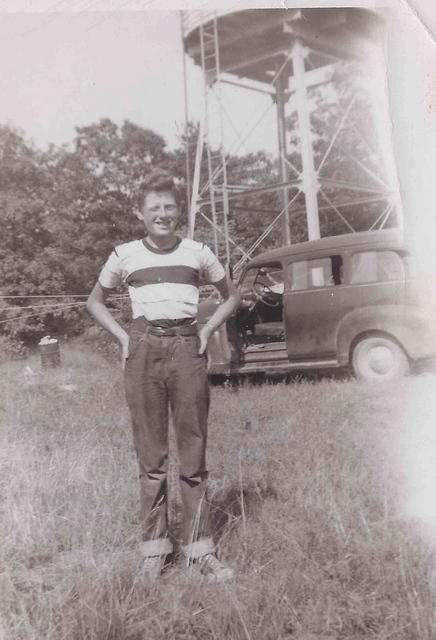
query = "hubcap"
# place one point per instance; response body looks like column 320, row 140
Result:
column 381, row 359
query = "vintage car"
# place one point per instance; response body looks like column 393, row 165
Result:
column 342, row 301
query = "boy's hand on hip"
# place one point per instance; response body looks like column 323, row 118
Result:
column 203, row 335
column 124, row 344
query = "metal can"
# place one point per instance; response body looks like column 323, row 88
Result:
column 50, row 352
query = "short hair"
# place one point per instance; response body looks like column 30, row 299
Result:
column 160, row 180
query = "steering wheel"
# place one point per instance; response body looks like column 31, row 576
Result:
column 265, row 294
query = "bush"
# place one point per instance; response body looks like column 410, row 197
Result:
column 97, row 340
column 12, row 349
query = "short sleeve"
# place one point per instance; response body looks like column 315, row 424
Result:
column 212, row 268
column 111, row 274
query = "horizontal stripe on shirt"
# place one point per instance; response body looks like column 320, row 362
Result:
column 168, row 309
column 175, row 274
column 161, row 291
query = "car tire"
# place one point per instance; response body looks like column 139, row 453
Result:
column 378, row 357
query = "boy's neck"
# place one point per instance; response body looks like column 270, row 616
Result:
column 162, row 242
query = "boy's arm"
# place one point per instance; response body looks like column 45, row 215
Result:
column 96, row 305
column 232, row 299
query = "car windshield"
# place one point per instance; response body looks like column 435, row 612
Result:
column 269, row 276
column 248, row 280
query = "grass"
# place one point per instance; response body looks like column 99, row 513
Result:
column 310, row 497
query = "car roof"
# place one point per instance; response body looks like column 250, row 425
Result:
column 387, row 238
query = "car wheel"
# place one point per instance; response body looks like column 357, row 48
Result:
column 379, row 358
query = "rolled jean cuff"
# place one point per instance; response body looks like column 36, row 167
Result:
column 199, row 548
column 159, row 547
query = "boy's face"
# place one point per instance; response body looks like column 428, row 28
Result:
column 160, row 213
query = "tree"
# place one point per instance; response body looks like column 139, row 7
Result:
column 63, row 211
column 24, row 211
column 96, row 193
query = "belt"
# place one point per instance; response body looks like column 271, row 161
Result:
column 187, row 330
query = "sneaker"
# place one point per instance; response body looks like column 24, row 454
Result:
column 212, row 568
column 152, row 566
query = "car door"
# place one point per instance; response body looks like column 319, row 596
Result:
column 313, row 306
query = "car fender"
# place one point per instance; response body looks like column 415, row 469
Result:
column 410, row 326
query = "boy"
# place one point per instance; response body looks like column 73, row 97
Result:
column 164, row 360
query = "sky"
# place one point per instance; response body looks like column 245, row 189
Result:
column 62, row 70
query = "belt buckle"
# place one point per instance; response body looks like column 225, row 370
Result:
column 158, row 331
column 182, row 330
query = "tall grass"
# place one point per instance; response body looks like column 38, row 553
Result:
column 306, row 491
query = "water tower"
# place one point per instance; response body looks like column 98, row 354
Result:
column 285, row 53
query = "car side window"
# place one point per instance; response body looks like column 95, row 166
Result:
column 376, row 266
column 317, row 273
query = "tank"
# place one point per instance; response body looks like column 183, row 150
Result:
column 252, row 42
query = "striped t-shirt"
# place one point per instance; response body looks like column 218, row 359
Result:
column 163, row 284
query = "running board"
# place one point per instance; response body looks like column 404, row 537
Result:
column 264, row 352
column 283, row 367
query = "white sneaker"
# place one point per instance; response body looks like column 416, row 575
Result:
column 152, row 566
column 212, row 568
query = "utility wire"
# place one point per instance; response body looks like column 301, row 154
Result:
column 61, row 295
column 49, row 308
column 50, row 305
column 29, row 315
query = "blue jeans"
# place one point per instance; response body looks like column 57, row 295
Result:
column 165, row 372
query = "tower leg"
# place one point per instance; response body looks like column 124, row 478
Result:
column 280, row 97
column 309, row 175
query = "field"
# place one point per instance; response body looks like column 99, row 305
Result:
column 313, row 490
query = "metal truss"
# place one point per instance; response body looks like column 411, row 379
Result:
column 327, row 194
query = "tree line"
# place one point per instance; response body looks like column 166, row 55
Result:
column 64, row 208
